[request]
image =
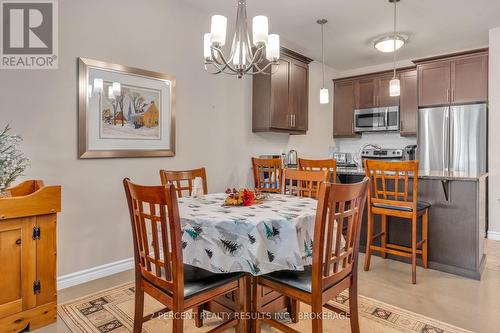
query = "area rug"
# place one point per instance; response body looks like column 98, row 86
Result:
column 112, row 311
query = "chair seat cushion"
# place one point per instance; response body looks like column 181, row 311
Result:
column 198, row 280
column 300, row 280
column 421, row 205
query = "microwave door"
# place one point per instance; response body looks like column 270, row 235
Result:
column 370, row 120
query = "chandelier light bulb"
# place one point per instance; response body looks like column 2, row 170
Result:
column 207, row 43
column 260, row 28
column 273, row 47
column 218, row 30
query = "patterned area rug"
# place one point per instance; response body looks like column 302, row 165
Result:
column 112, row 311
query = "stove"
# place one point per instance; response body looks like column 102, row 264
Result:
column 382, row 154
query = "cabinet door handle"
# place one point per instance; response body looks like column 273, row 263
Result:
column 452, row 94
column 401, row 125
column 293, row 125
column 448, row 95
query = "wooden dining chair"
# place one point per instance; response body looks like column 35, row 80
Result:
column 334, row 266
column 267, row 173
column 389, row 195
column 183, row 180
column 160, row 272
column 303, row 183
column 329, row 165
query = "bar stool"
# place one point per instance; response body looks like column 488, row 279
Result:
column 389, row 195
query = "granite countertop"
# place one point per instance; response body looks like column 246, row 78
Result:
column 439, row 175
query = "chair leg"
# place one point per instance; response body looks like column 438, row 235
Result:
column 414, row 249
column 317, row 317
column 293, row 309
column 198, row 316
column 139, row 308
column 353, row 307
column 383, row 239
column 255, row 323
column 177, row 322
column 425, row 235
column 369, row 236
column 241, row 305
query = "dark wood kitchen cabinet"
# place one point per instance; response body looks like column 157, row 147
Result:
column 343, row 109
column 373, row 91
column 453, row 80
column 408, row 103
column 280, row 100
column 366, row 91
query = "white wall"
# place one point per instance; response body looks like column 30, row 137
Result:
column 213, row 119
column 494, row 135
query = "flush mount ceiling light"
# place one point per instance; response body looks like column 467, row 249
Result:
column 247, row 56
column 386, row 43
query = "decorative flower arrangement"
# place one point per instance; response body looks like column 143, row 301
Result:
column 241, row 197
column 12, row 161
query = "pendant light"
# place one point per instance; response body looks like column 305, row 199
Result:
column 324, row 94
column 394, row 84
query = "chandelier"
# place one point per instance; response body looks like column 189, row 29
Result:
column 247, row 56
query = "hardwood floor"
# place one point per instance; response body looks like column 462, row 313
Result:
column 466, row 303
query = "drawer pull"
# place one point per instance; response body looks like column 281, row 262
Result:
column 18, row 242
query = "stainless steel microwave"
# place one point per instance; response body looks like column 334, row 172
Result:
column 376, row 119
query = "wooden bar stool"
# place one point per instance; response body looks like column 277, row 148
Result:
column 389, row 195
column 329, row 165
column 267, row 173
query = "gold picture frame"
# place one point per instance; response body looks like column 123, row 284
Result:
column 157, row 142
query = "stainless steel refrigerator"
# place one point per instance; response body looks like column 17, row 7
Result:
column 453, row 138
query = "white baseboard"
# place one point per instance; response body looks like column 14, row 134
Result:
column 94, row 273
column 494, row 235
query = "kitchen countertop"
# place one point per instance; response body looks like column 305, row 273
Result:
column 439, row 175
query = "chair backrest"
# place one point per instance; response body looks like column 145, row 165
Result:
column 320, row 165
column 391, row 182
column 303, row 183
column 183, row 180
column 267, row 174
column 154, row 215
column 339, row 213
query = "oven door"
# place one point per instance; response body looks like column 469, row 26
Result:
column 370, row 120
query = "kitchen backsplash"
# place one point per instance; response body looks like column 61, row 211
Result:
column 385, row 140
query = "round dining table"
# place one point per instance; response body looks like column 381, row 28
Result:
column 274, row 235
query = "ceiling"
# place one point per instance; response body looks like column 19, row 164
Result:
column 433, row 26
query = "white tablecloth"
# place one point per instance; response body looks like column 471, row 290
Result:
column 259, row 239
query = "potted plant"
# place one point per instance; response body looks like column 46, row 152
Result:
column 12, row 161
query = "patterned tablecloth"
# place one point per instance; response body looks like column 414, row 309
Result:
column 272, row 236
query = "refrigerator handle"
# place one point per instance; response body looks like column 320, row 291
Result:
column 446, row 140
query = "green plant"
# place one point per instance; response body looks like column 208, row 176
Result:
column 12, row 161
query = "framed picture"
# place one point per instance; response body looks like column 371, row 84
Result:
column 124, row 111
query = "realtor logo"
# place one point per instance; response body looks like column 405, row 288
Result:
column 29, row 34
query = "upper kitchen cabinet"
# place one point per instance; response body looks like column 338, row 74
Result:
column 454, row 80
column 280, row 100
column 366, row 91
column 373, row 91
column 383, row 97
column 469, row 78
column 408, row 103
column 343, row 109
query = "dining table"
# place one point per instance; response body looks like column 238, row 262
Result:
column 272, row 235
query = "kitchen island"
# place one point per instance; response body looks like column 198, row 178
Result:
column 457, row 219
